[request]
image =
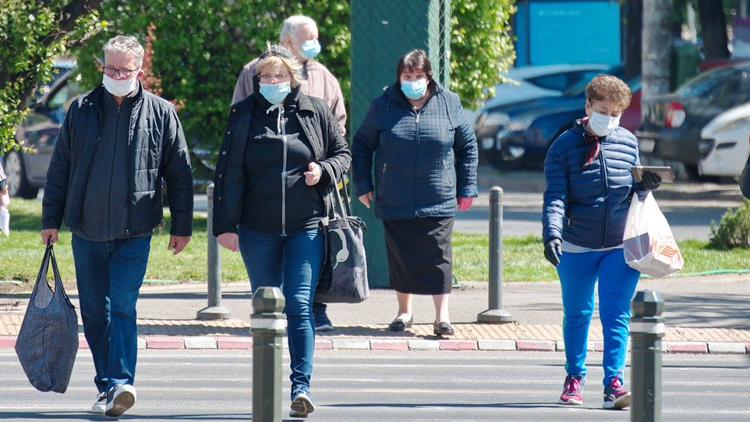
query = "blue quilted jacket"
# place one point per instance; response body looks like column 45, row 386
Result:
column 587, row 205
column 423, row 159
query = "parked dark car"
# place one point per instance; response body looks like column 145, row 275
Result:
column 27, row 171
column 672, row 123
column 519, row 136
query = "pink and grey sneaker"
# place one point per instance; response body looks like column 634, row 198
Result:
column 615, row 395
column 572, row 390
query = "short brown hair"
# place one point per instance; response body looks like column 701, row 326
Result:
column 608, row 88
column 414, row 60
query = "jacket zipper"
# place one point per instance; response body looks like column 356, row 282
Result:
column 606, row 194
column 111, row 173
column 416, row 131
column 283, row 170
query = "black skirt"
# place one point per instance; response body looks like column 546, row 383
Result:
column 420, row 255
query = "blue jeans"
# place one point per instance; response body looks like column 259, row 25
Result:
column 578, row 273
column 109, row 276
column 292, row 263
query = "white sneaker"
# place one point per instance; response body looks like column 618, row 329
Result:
column 101, row 403
column 302, row 405
column 120, row 399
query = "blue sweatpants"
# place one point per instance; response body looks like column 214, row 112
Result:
column 578, row 273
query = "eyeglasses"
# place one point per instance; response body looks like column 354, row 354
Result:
column 125, row 73
column 264, row 77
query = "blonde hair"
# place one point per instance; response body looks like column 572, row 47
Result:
column 278, row 57
column 608, row 88
column 127, row 45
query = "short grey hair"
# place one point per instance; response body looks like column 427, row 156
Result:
column 292, row 24
column 127, row 45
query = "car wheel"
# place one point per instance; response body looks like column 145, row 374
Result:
column 15, row 171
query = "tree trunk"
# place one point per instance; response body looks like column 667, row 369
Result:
column 657, row 43
column 633, row 38
column 714, row 29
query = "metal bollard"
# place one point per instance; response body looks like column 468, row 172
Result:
column 214, row 310
column 646, row 332
column 495, row 313
column 267, row 325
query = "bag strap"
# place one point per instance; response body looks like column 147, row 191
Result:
column 44, row 268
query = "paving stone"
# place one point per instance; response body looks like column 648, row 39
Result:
column 380, row 344
column 536, row 345
column 424, row 345
column 234, row 342
column 686, row 347
column 351, row 344
column 165, row 342
column 484, row 344
column 199, row 342
column 727, row 347
column 458, row 344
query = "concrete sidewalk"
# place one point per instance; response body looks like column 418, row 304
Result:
column 709, row 314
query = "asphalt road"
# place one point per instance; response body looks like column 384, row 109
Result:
column 384, row 386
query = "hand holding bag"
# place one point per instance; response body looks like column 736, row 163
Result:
column 344, row 275
column 48, row 339
column 649, row 244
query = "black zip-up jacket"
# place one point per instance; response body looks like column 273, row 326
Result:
column 157, row 149
column 232, row 196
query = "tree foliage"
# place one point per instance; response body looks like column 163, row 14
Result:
column 481, row 47
column 32, row 33
column 196, row 48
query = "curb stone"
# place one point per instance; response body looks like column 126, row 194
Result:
column 448, row 345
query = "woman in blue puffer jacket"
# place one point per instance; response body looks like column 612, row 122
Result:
column 425, row 168
column 586, row 203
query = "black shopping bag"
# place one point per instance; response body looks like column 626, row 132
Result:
column 344, row 275
column 48, row 340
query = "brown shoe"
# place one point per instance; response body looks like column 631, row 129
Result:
column 443, row 329
column 399, row 325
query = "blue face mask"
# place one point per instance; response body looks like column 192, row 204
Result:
column 310, row 49
column 275, row 93
column 414, row 90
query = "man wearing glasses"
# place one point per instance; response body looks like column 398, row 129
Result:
column 104, row 182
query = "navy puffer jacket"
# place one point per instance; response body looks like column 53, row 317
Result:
column 423, row 159
column 587, row 205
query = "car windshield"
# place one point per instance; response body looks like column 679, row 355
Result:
column 709, row 82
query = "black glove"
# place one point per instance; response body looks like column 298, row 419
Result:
column 553, row 251
column 650, row 180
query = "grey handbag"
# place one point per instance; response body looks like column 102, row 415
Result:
column 48, row 340
column 344, row 275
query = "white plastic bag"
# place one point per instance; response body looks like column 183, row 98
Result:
column 649, row 244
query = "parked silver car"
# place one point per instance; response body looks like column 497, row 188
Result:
column 27, row 171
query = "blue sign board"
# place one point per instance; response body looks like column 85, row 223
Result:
column 583, row 31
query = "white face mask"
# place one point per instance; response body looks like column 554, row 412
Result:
column 119, row 87
column 603, row 125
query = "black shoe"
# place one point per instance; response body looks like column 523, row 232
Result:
column 399, row 325
column 443, row 329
